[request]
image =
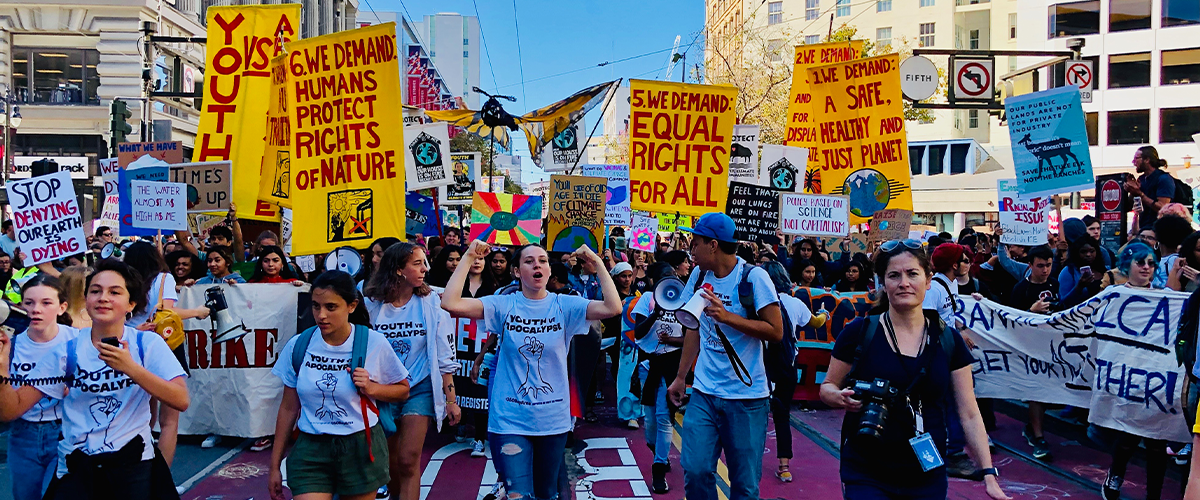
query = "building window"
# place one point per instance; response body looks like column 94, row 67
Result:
column 1129, row 127
column 973, row 40
column 1012, row 26
column 1180, row 66
column 1092, row 121
column 883, row 6
column 1074, row 19
column 774, row 12
column 916, row 156
column 775, row 49
column 973, row 118
column 811, row 39
column 927, row 33
column 812, row 9
column 843, row 8
column 1178, row 124
column 958, row 156
column 1180, row 12
column 883, row 37
column 55, row 76
column 937, row 159
column 466, row 41
column 1125, row 15
column 1129, row 70
column 927, row 3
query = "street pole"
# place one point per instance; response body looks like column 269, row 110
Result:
column 148, row 30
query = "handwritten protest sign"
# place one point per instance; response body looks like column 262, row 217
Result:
column 616, row 208
column 836, row 246
column 167, row 152
column 202, row 224
column 1113, row 354
column 242, row 40
column 643, row 233
column 783, row 169
column 859, row 114
column 890, row 224
column 45, row 216
column 352, row 189
column 275, row 180
column 158, row 205
column 801, row 119
column 743, row 154
column 669, row 223
column 207, row 184
column 504, row 219
column 1050, row 142
column 814, row 214
column 421, row 215
column 1022, row 218
column 679, row 144
column 576, row 213
column 427, row 156
column 755, row 212
column 125, row 196
column 467, row 170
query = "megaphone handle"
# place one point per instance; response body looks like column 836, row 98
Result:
column 735, row 361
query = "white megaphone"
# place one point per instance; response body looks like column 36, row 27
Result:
column 226, row 326
column 13, row 319
column 668, row 294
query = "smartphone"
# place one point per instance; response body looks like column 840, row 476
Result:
column 112, row 341
column 1086, row 272
column 1137, row 203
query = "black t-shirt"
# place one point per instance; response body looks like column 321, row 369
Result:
column 891, row 459
column 1026, row 293
column 642, row 284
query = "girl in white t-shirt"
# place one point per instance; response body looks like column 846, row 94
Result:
column 341, row 449
column 529, row 396
column 36, row 415
column 409, row 314
column 112, row 371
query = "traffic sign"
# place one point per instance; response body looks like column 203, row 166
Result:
column 973, row 79
column 1080, row 74
column 1110, row 195
column 918, row 78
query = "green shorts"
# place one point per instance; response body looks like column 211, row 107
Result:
column 322, row 463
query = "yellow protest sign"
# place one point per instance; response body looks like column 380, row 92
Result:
column 241, row 42
column 801, row 124
column 679, row 140
column 860, row 126
column 343, row 101
column 275, row 182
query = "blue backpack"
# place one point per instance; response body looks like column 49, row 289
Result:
column 358, row 359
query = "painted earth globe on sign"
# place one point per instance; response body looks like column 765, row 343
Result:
column 868, row 192
column 573, row 237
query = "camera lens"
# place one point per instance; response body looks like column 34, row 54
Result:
column 873, row 418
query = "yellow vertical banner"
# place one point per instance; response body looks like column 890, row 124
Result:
column 679, row 144
column 801, row 124
column 241, row 42
column 347, row 162
column 860, row 125
column 275, row 181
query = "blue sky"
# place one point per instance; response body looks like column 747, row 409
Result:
column 564, row 35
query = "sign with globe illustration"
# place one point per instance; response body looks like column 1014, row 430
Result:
column 576, row 216
column 869, row 191
column 572, row 238
column 427, row 156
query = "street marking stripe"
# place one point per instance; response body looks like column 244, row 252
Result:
column 222, row 460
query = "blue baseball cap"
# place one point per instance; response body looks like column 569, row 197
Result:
column 715, row 225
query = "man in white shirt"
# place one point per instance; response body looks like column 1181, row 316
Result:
column 729, row 402
column 8, row 240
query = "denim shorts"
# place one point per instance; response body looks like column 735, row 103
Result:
column 420, row 400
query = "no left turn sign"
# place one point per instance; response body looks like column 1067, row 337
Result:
column 973, row 79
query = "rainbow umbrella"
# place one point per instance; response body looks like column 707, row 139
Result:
column 506, row 219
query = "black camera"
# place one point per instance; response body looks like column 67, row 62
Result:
column 876, row 395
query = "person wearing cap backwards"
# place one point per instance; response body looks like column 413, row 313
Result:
column 729, row 401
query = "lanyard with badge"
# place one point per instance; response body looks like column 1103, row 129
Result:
column 922, row 443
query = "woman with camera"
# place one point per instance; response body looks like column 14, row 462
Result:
column 891, row 372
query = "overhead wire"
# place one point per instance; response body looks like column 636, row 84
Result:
column 520, row 59
column 585, row 68
column 372, row 9
column 483, row 37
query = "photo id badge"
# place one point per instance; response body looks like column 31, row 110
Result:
column 926, row 452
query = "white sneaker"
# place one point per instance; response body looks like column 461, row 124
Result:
column 631, row 424
column 477, row 450
column 180, row 490
column 210, row 441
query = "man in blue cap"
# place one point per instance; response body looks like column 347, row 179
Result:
column 729, row 401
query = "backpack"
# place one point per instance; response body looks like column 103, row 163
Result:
column 358, row 359
column 780, row 357
column 746, row 298
column 1185, row 341
column 1183, row 193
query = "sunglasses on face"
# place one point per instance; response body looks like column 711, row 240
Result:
column 890, row 246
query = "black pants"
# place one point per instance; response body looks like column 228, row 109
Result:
column 119, row 475
column 1156, row 461
column 781, row 408
column 585, row 351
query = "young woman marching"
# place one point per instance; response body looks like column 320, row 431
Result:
column 110, row 371
column 341, row 450
column 36, row 415
column 220, row 268
column 272, row 267
column 404, row 310
column 530, row 410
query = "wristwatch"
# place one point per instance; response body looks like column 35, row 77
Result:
column 991, row 470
